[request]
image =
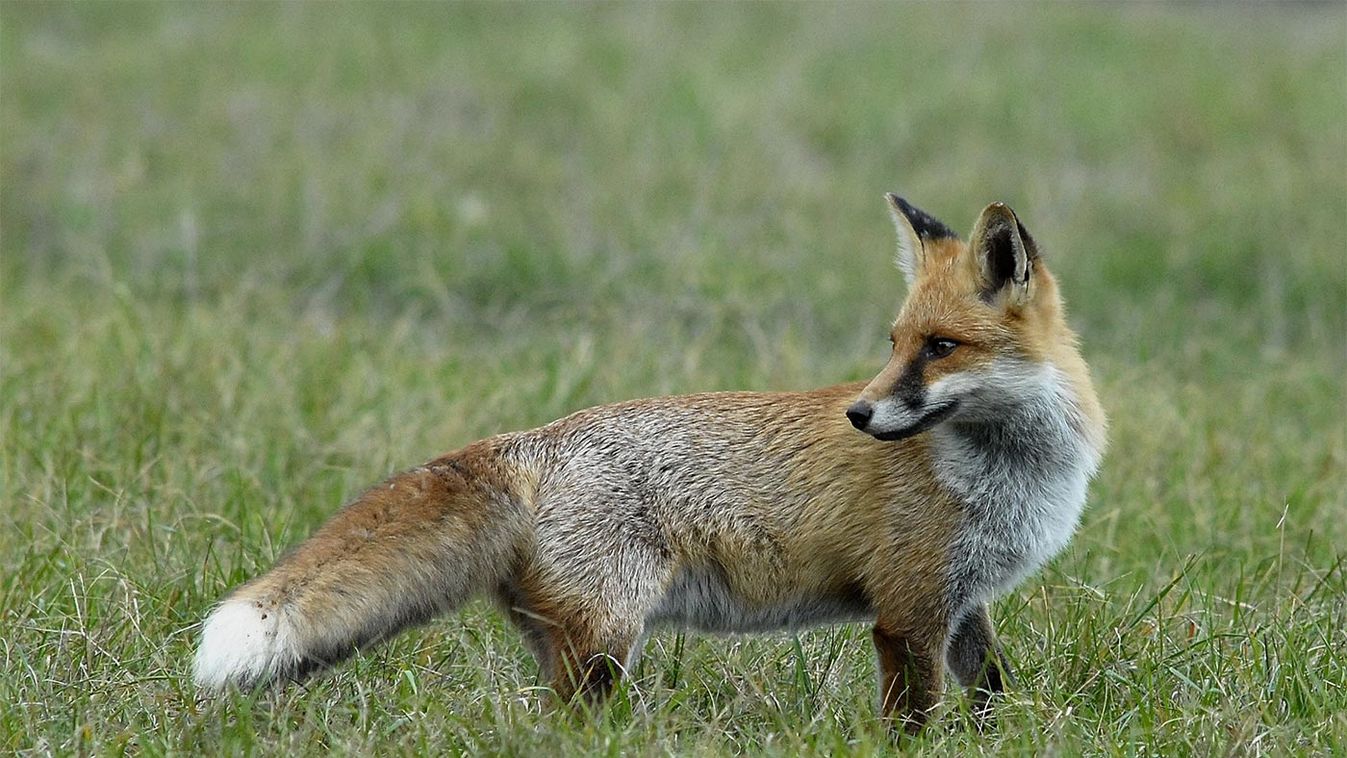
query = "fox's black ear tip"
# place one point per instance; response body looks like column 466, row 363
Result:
column 922, row 222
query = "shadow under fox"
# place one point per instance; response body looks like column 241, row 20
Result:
column 908, row 502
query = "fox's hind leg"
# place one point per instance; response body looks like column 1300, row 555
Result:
column 587, row 666
column 585, row 640
column 582, row 649
column 599, row 567
column 581, row 663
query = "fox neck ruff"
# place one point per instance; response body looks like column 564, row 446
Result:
column 1021, row 474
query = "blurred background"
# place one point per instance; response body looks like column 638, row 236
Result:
column 256, row 256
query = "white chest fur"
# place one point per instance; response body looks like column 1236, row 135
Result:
column 1022, row 475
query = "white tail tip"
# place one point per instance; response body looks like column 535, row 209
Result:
column 245, row 643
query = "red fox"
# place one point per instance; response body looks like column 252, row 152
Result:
column 909, row 502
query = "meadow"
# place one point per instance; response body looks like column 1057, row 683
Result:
column 255, row 257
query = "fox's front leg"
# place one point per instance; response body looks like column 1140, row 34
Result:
column 977, row 659
column 911, row 671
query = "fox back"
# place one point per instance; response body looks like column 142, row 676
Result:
column 908, row 502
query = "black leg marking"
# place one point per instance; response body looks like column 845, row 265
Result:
column 977, row 660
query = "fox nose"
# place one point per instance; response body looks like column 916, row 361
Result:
column 859, row 414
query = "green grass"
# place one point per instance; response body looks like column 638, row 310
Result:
column 254, row 257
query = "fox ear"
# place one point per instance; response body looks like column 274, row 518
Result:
column 915, row 228
column 1005, row 254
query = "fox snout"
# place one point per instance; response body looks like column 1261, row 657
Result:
column 899, row 415
column 860, row 413
column 896, row 399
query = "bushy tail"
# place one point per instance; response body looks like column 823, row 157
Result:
column 418, row 544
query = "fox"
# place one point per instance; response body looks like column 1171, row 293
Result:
column 908, row 502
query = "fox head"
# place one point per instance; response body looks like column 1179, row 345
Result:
column 981, row 323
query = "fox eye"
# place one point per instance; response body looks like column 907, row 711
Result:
column 939, row 347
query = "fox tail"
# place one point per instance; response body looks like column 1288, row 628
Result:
column 417, row 545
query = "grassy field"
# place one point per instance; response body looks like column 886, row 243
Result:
column 255, row 257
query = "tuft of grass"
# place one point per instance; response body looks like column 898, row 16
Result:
column 255, row 257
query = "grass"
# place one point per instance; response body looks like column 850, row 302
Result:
column 256, row 257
